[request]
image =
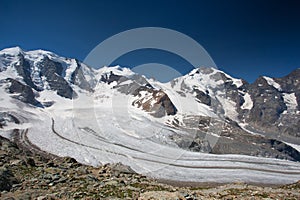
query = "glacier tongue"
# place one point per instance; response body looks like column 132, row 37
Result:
column 104, row 133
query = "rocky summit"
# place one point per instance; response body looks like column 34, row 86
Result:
column 26, row 175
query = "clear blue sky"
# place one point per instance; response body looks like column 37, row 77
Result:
column 245, row 38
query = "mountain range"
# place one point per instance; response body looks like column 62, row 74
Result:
column 205, row 126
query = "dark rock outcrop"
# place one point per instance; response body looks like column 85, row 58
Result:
column 109, row 78
column 157, row 102
column 78, row 78
column 24, row 92
column 53, row 72
column 226, row 137
column 23, row 69
column 268, row 103
column 291, row 84
column 203, row 97
column 7, row 117
column 7, row 179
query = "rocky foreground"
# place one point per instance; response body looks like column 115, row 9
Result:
column 24, row 175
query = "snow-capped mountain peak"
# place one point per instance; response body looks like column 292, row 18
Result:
column 44, row 70
column 117, row 70
column 12, row 51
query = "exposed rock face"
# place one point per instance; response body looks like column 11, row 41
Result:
column 291, row 84
column 23, row 69
column 78, row 78
column 274, row 109
column 109, row 78
column 50, row 69
column 267, row 109
column 6, row 117
column 134, row 84
column 203, row 97
column 41, row 70
column 53, row 73
column 155, row 102
column 229, row 139
column 151, row 100
column 24, row 92
column 268, row 106
column 7, row 179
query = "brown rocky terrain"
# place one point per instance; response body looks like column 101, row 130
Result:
column 26, row 175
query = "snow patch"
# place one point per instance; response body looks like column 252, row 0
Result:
column 290, row 101
column 272, row 83
column 229, row 107
column 117, row 70
column 70, row 70
column 237, row 82
column 248, row 104
column 244, row 126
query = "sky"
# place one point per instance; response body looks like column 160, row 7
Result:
column 245, row 39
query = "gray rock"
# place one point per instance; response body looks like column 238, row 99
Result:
column 203, row 97
column 7, row 179
column 53, row 72
column 25, row 93
column 266, row 109
column 23, row 69
column 79, row 79
column 122, row 168
column 109, row 78
column 158, row 105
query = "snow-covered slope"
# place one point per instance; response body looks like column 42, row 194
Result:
column 164, row 130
